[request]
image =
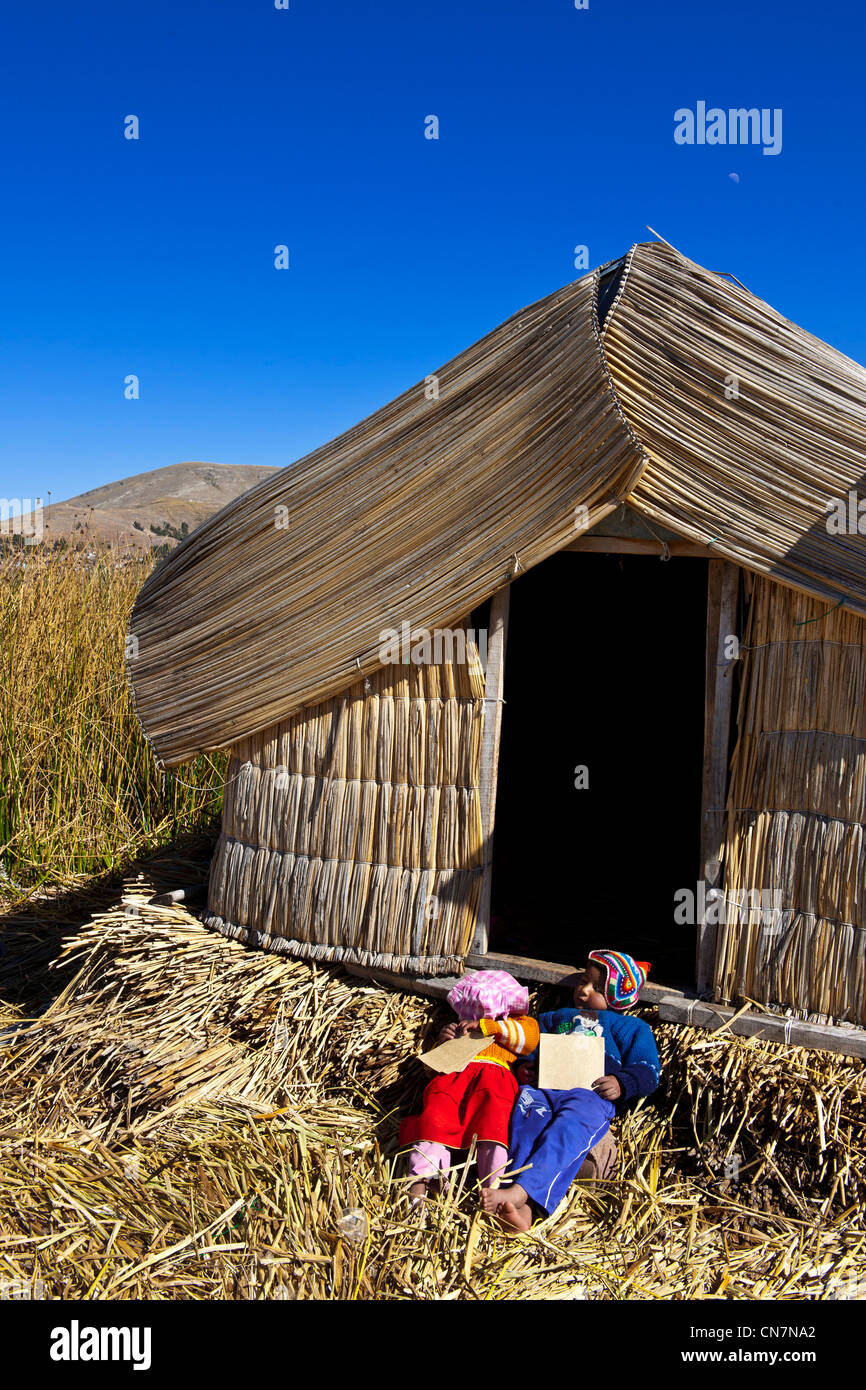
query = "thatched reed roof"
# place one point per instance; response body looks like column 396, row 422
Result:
column 426, row 508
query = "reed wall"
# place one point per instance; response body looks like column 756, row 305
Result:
column 797, row 810
column 352, row 831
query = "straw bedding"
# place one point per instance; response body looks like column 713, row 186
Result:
column 189, row 1120
column 353, row 831
column 797, row 811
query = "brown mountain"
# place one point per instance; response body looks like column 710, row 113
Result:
column 150, row 508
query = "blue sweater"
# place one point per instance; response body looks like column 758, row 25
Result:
column 630, row 1052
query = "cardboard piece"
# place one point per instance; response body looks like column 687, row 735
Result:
column 568, row 1060
column 456, row 1054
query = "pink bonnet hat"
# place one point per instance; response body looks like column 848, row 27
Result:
column 488, row 994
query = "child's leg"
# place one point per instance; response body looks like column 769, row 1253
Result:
column 428, row 1160
column 576, row 1121
column 601, row 1161
column 529, row 1118
column 492, row 1160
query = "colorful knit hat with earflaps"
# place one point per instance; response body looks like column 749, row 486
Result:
column 488, row 994
column 625, row 977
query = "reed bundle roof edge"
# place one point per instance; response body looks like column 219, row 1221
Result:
column 751, row 425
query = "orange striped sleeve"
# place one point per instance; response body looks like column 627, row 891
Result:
column 519, row 1034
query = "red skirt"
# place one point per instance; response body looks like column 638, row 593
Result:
column 476, row 1101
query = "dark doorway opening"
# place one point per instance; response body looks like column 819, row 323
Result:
column 604, row 670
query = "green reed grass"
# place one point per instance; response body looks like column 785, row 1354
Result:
column 79, row 788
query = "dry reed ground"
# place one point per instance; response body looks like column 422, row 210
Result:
column 189, row 1118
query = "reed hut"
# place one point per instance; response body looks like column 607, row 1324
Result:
column 359, row 811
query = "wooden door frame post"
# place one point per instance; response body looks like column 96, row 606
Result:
column 722, row 590
column 494, row 680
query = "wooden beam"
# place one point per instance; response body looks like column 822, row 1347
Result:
column 551, row 972
column 494, row 684
column 434, row 986
column 192, row 893
column 674, row 1006
column 793, row 1032
column 721, row 618
column 625, row 545
column 521, row 967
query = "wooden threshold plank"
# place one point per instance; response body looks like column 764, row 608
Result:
column 522, row 967
column 434, row 986
column 553, row 973
column 793, row 1032
column 674, row 1006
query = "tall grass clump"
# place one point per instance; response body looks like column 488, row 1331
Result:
column 80, row 792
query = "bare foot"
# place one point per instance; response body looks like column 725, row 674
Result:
column 419, row 1190
column 494, row 1198
column 513, row 1219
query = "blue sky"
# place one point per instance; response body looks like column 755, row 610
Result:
column 306, row 127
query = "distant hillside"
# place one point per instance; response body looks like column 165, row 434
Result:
column 150, row 508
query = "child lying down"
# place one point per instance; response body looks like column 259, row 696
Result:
column 474, row 1103
column 553, row 1131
